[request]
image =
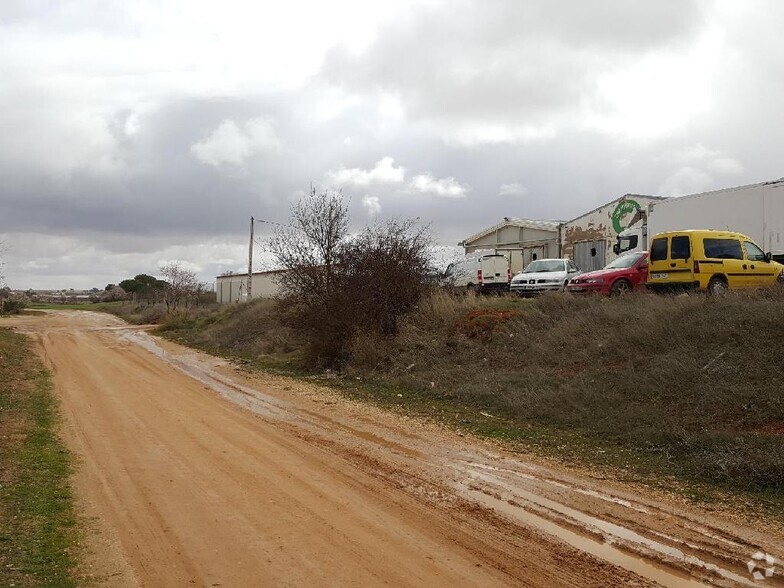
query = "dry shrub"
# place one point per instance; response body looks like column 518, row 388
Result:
column 483, row 322
column 694, row 379
column 152, row 314
column 253, row 330
column 370, row 352
column 335, row 286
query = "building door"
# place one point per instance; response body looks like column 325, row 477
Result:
column 515, row 261
column 590, row 255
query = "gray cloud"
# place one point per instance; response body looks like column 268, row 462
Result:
column 118, row 151
column 515, row 65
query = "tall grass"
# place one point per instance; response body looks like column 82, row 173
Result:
column 696, row 380
column 251, row 331
column 692, row 383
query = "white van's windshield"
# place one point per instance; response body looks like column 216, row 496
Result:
column 544, row 265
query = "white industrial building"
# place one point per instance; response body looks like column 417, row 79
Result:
column 233, row 288
column 588, row 239
column 522, row 240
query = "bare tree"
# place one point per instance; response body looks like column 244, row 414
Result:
column 112, row 293
column 309, row 247
column 309, row 289
column 181, row 287
column 334, row 286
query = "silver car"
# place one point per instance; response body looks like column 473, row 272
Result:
column 544, row 275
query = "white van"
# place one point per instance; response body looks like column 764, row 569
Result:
column 480, row 272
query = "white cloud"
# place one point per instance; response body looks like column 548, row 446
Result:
column 442, row 187
column 686, row 180
column 657, row 94
column 132, row 124
column 229, row 144
column 696, row 169
column 183, row 264
column 725, row 165
column 372, row 205
column 262, row 134
column 712, row 159
column 33, row 264
column 513, row 189
column 226, row 144
column 97, row 260
column 384, row 172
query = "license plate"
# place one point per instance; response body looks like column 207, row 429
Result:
column 659, row 276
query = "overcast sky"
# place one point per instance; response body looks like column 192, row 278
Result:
column 137, row 133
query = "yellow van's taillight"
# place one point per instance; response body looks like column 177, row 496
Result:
column 479, row 276
column 696, row 266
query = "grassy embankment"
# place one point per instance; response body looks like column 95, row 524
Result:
column 138, row 314
column 683, row 392
column 37, row 522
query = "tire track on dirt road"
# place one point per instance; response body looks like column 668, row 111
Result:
column 201, row 475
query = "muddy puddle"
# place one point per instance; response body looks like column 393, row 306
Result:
column 607, row 540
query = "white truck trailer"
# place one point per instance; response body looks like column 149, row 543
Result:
column 756, row 210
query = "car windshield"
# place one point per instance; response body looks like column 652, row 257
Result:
column 544, row 265
column 624, row 261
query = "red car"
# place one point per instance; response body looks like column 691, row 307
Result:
column 623, row 274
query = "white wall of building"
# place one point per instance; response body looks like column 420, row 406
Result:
column 233, row 289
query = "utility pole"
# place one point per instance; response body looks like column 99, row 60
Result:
column 250, row 261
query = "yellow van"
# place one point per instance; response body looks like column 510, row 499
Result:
column 709, row 260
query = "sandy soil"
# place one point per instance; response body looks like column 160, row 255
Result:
column 192, row 472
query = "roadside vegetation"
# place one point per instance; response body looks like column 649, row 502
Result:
column 335, row 285
column 686, row 387
column 684, row 392
column 690, row 384
column 11, row 303
column 143, row 299
column 37, row 523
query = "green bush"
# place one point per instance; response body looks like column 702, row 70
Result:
column 13, row 305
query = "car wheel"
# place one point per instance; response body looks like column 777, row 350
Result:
column 717, row 287
column 620, row 287
column 472, row 289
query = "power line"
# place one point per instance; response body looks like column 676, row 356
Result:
column 258, row 220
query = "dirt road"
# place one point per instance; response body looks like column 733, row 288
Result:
column 195, row 473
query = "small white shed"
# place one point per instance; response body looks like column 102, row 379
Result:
column 233, row 288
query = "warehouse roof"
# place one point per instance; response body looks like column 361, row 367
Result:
column 525, row 223
column 238, row 274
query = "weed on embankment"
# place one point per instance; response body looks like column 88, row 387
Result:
column 37, row 523
column 691, row 384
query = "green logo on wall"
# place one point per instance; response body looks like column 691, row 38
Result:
column 624, row 208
